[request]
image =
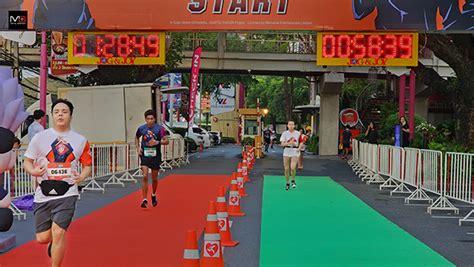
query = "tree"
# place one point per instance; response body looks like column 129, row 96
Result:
column 458, row 52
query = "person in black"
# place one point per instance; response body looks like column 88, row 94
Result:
column 405, row 132
column 346, row 141
column 267, row 138
column 372, row 134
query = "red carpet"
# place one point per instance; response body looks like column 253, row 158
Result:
column 123, row 234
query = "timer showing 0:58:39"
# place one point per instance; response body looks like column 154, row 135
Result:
column 359, row 46
column 116, row 45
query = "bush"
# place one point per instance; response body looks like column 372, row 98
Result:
column 228, row 140
column 449, row 147
column 387, row 132
column 313, row 144
column 248, row 141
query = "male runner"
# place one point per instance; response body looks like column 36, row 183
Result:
column 53, row 158
column 290, row 141
column 152, row 136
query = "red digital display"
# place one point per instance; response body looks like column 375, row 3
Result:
column 367, row 46
column 117, row 48
column 367, row 49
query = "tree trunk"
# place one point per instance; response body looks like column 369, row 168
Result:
column 286, row 93
column 458, row 52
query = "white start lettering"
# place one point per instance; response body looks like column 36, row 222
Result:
column 255, row 7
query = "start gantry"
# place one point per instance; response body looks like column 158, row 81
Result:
column 232, row 7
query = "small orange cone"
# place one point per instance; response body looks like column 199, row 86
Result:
column 223, row 220
column 212, row 250
column 191, row 252
column 234, row 200
column 239, row 168
column 245, row 172
column 240, row 184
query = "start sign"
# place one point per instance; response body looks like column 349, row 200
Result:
column 367, row 49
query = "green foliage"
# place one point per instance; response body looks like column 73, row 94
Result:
column 387, row 129
column 313, row 144
column 354, row 90
column 449, row 147
column 228, row 140
column 270, row 91
column 248, row 141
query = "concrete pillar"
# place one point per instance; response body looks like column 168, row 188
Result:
column 329, row 115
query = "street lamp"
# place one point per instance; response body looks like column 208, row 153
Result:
column 265, row 111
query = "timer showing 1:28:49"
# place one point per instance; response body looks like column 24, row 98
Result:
column 116, row 48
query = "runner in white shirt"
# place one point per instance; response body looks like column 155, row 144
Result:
column 290, row 141
column 53, row 159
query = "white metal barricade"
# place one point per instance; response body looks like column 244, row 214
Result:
column 374, row 161
column 457, row 183
column 124, row 163
column 399, row 163
column 19, row 185
column 413, row 171
column 362, row 171
column 355, row 153
column 113, row 160
column 174, row 161
column 166, row 157
column 98, row 168
column 394, row 164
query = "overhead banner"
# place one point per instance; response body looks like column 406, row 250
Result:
column 196, row 64
column 212, row 15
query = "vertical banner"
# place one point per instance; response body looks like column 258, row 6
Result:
column 196, row 63
column 59, row 55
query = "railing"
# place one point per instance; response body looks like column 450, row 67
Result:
column 253, row 43
column 118, row 163
column 418, row 172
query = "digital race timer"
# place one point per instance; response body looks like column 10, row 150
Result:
column 367, row 49
column 116, row 48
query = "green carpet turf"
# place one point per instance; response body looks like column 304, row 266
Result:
column 322, row 224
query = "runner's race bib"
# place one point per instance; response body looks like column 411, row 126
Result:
column 149, row 152
column 59, row 171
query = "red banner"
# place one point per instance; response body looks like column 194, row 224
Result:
column 196, row 63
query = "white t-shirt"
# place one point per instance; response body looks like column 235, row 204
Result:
column 33, row 129
column 291, row 150
column 58, row 151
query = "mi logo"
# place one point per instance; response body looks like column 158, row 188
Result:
column 18, row 20
column 230, row 7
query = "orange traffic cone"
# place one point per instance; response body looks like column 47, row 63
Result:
column 212, row 250
column 240, row 184
column 223, row 220
column 191, row 252
column 245, row 172
column 234, row 200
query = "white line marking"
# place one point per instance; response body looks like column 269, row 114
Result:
column 446, row 217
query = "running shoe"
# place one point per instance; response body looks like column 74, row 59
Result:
column 293, row 184
column 144, row 204
column 154, row 201
column 287, row 187
column 49, row 248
